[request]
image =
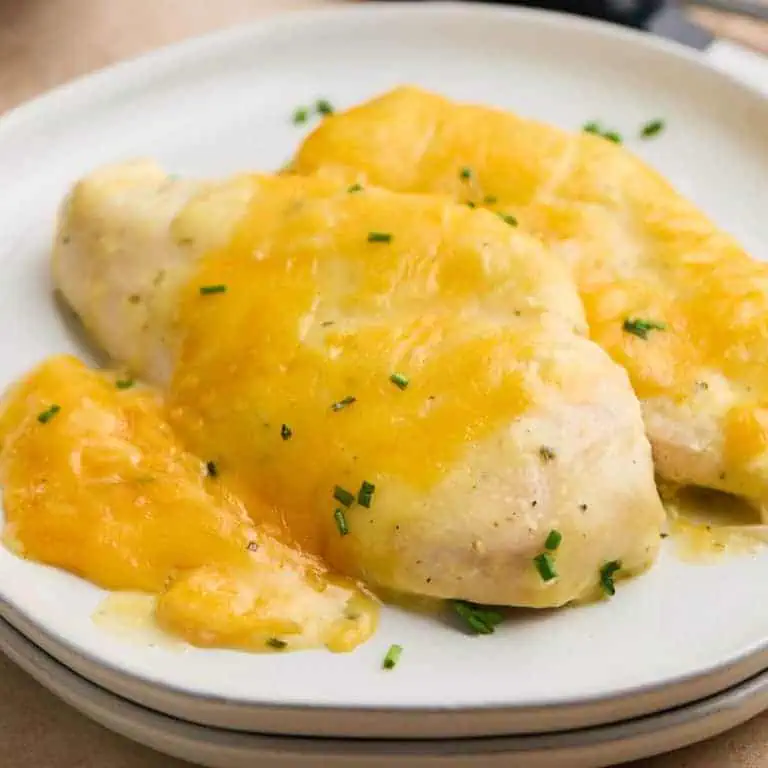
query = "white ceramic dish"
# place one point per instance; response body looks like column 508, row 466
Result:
column 591, row 748
column 224, row 102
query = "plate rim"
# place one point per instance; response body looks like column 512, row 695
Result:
column 311, row 720
column 80, row 86
column 728, row 706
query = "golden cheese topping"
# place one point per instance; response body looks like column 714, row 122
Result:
column 343, row 338
column 672, row 298
column 96, row 482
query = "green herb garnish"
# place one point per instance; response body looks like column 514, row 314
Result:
column 553, row 540
column 207, row 290
column 400, row 380
column 607, row 573
column 355, row 188
column 640, row 327
column 470, row 204
column 124, row 383
column 652, row 128
column 343, row 495
column 324, row 107
column 276, row 642
column 545, row 565
column 365, row 494
column 211, row 469
column 379, row 237
column 465, row 174
column 490, row 199
column 341, row 521
column 596, row 129
column 479, row 618
column 392, row 657
column 45, row 416
column 286, row 432
column 508, row 218
column 343, row 403
column 300, row 116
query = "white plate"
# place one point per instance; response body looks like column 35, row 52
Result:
column 223, row 103
column 591, row 748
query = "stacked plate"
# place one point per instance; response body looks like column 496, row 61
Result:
column 680, row 654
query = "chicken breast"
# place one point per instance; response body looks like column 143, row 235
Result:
column 402, row 383
column 667, row 294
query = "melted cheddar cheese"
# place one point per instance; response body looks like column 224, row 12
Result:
column 637, row 249
column 298, row 324
column 96, row 482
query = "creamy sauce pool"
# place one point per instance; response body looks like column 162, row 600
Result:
column 705, row 526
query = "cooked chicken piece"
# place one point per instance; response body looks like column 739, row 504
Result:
column 94, row 481
column 402, row 383
column 667, row 294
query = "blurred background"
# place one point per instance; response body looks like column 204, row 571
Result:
column 47, row 42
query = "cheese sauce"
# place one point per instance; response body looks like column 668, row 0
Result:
column 341, row 338
column 96, row 482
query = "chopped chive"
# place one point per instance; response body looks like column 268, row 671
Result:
column 276, row 642
column 324, row 107
column 343, row 495
column 480, row 619
column 392, row 657
column 546, row 453
column 400, row 380
column 553, row 540
column 465, row 173
column 207, row 290
column 211, row 469
column 639, row 327
column 508, row 218
column 341, row 521
column 652, row 128
column 365, row 494
column 607, row 573
column 490, row 199
column 124, row 383
column 300, row 116
column 286, row 432
column 355, row 188
column 470, row 204
column 45, row 416
column 343, row 403
column 379, row 237
column 545, row 565
column 596, row 129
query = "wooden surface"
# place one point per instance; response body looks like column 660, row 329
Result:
column 46, row 42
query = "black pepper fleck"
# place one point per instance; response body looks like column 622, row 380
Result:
column 546, row 453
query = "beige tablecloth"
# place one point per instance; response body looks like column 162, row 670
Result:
column 43, row 43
